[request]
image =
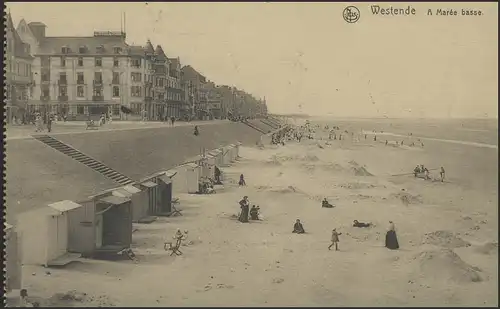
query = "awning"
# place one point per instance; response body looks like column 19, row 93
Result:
column 166, row 179
column 171, row 173
column 122, row 193
column 64, row 206
column 148, row 184
column 114, row 200
column 131, row 189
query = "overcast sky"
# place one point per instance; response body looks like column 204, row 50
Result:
column 303, row 57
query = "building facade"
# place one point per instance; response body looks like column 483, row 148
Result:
column 197, row 85
column 175, row 106
column 18, row 74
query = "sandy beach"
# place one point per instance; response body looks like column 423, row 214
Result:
column 447, row 233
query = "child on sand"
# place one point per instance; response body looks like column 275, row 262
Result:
column 335, row 240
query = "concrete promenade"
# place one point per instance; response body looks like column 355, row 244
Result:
column 72, row 127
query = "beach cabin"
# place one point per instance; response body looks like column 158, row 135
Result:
column 226, row 155
column 140, row 202
column 53, row 238
column 218, row 155
column 205, row 164
column 12, row 258
column 237, row 146
column 187, row 178
column 160, row 195
column 233, row 152
column 150, row 187
column 105, row 225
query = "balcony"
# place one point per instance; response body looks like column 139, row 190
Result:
column 98, row 98
column 97, row 82
column 63, row 98
column 80, row 82
column 44, row 98
column 115, row 82
column 45, row 82
column 62, row 82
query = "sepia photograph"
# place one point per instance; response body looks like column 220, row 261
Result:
column 261, row 154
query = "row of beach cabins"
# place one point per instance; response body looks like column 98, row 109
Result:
column 102, row 224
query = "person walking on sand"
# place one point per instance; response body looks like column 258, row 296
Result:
column 245, row 209
column 335, row 240
column 242, row 181
column 442, row 174
column 172, row 120
column 196, row 132
column 391, row 239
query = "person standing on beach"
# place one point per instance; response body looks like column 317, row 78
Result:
column 391, row 240
column 442, row 174
column 245, row 209
column 335, row 240
column 242, row 181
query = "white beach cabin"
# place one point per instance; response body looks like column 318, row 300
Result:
column 140, row 200
column 13, row 273
column 61, row 220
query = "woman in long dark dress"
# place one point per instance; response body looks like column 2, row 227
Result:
column 245, row 209
column 391, row 240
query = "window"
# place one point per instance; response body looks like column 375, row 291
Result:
column 45, row 77
column 136, row 91
column 98, row 76
column 64, row 50
column 80, row 110
column 46, row 92
column 63, row 78
column 116, row 110
column 80, row 91
column 98, row 91
column 79, row 78
column 80, row 61
column 98, row 61
column 136, row 77
column 116, row 77
column 99, row 49
column 160, row 82
column 136, row 63
column 63, row 91
column 63, row 61
column 116, row 62
column 82, row 49
column 116, row 91
column 117, row 50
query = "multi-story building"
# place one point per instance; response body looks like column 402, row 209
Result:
column 227, row 99
column 18, row 74
column 175, row 106
column 79, row 76
column 214, row 101
column 196, row 82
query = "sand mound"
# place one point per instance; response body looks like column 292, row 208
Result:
column 408, row 198
column 488, row 248
column 361, row 171
column 444, row 239
column 289, row 189
column 444, row 264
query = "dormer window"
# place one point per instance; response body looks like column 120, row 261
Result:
column 100, row 49
column 65, row 50
column 82, row 49
column 117, row 50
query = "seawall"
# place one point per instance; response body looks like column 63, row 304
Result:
column 38, row 175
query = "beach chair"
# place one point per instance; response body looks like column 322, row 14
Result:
column 175, row 211
column 174, row 248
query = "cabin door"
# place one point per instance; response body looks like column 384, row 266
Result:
column 62, row 234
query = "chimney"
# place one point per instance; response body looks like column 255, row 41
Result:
column 38, row 29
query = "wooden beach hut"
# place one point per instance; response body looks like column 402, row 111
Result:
column 139, row 199
column 226, row 155
column 105, row 227
column 187, row 178
column 12, row 264
column 54, row 240
column 218, row 155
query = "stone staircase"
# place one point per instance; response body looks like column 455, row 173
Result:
column 254, row 127
column 269, row 123
column 84, row 159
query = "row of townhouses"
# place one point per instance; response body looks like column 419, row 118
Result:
column 84, row 76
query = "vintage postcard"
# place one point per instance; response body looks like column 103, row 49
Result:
column 250, row 154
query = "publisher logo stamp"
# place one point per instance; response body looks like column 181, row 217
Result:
column 351, row 14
